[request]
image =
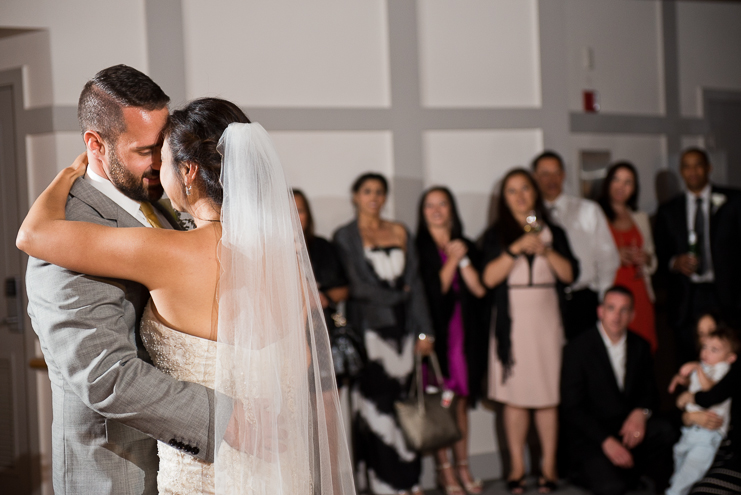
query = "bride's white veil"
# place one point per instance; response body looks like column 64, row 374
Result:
column 273, row 357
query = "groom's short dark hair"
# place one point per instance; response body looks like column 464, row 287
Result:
column 102, row 100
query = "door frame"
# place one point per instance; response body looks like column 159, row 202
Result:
column 24, row 122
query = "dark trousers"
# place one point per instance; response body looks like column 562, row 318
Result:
column 703, row 299
column 580, row 312
column 652, row 457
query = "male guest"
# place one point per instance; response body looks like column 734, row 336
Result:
column 697, row 237
column 589, row 237
column 109, row 403
column 607, row 395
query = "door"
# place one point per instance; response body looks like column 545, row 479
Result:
column 15, row 450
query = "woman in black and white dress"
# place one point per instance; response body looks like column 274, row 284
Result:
column 387, row 304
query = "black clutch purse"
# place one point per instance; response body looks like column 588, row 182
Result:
column 348, row 349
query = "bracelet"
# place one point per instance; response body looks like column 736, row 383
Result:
column 424, row 336
column 509, row 252
column 464, row 262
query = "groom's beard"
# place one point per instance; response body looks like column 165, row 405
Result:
column 132, row 186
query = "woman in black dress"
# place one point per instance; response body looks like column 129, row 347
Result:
column 387, row 304
column 448, row 264
column 330, row 277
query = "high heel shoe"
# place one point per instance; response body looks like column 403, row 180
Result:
column 546, row 486
column 473, row 486
column 447, row 489
column 516, row 487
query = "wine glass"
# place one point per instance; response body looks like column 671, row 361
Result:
column 532, row 223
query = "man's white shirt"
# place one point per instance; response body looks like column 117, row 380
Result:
column 590, row 240
column 129, row 205
column 617, row 352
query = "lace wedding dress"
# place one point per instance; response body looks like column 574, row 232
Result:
column 187, row 358
column 192, row 359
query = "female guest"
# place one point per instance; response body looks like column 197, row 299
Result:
column 632, row 233
column 447, row 263
column 387, row 302
column 723, row 476
column 330, row 277
column 527, row 262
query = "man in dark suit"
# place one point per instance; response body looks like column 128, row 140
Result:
column 607, row 395
column 697, row 236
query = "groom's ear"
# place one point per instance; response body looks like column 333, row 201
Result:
column 94, row 144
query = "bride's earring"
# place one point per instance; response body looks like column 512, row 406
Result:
column 187, row 190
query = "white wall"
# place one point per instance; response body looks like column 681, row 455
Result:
column 324, row 53
column 709, row 54
column 84, row 37
column 624, row 38
column 479, row 53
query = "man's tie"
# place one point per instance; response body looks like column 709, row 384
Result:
column 700, row 233
column 149, row 214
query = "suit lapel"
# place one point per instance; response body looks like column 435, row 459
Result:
column 101, row 203
column 631, row 361
column 165, row 207
column 681, row 224
column 603, row 359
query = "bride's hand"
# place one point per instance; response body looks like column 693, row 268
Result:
column 78, row 167
column 255, row 435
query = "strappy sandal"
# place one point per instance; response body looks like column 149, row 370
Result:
column 546, row 486
column 474, row 487
column 516, row 487
column 447, row 489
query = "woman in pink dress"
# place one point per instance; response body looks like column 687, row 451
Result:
column 632, row 233
column 528, row 262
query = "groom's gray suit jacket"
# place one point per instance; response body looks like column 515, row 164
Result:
column 109, row 403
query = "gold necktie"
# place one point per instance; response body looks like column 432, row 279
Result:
column 149, row 214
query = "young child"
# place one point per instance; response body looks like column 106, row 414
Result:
column 694, row 452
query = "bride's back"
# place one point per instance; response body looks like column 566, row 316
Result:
column 184, row 293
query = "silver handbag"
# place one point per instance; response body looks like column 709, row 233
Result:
column 428, row 420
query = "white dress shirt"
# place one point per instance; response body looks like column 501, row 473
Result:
column 708, row 276
column 590, row 240
column 129, row 205
column 617, row 353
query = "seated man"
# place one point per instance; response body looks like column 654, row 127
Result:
column 607, row 393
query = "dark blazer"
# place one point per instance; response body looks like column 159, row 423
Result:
column 371, row 304
column 671, row 239
column 476, row 340
column 592, row 405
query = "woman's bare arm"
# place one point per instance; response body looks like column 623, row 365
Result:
column 138, row 254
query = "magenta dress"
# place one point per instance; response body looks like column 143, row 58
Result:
column 457, row 381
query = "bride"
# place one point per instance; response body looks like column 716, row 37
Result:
column 234, row 305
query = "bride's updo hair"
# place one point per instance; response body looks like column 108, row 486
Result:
column 193, row 133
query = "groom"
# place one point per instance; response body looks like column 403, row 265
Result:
column 110, row 405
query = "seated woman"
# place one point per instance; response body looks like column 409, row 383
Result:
column 724, row 475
